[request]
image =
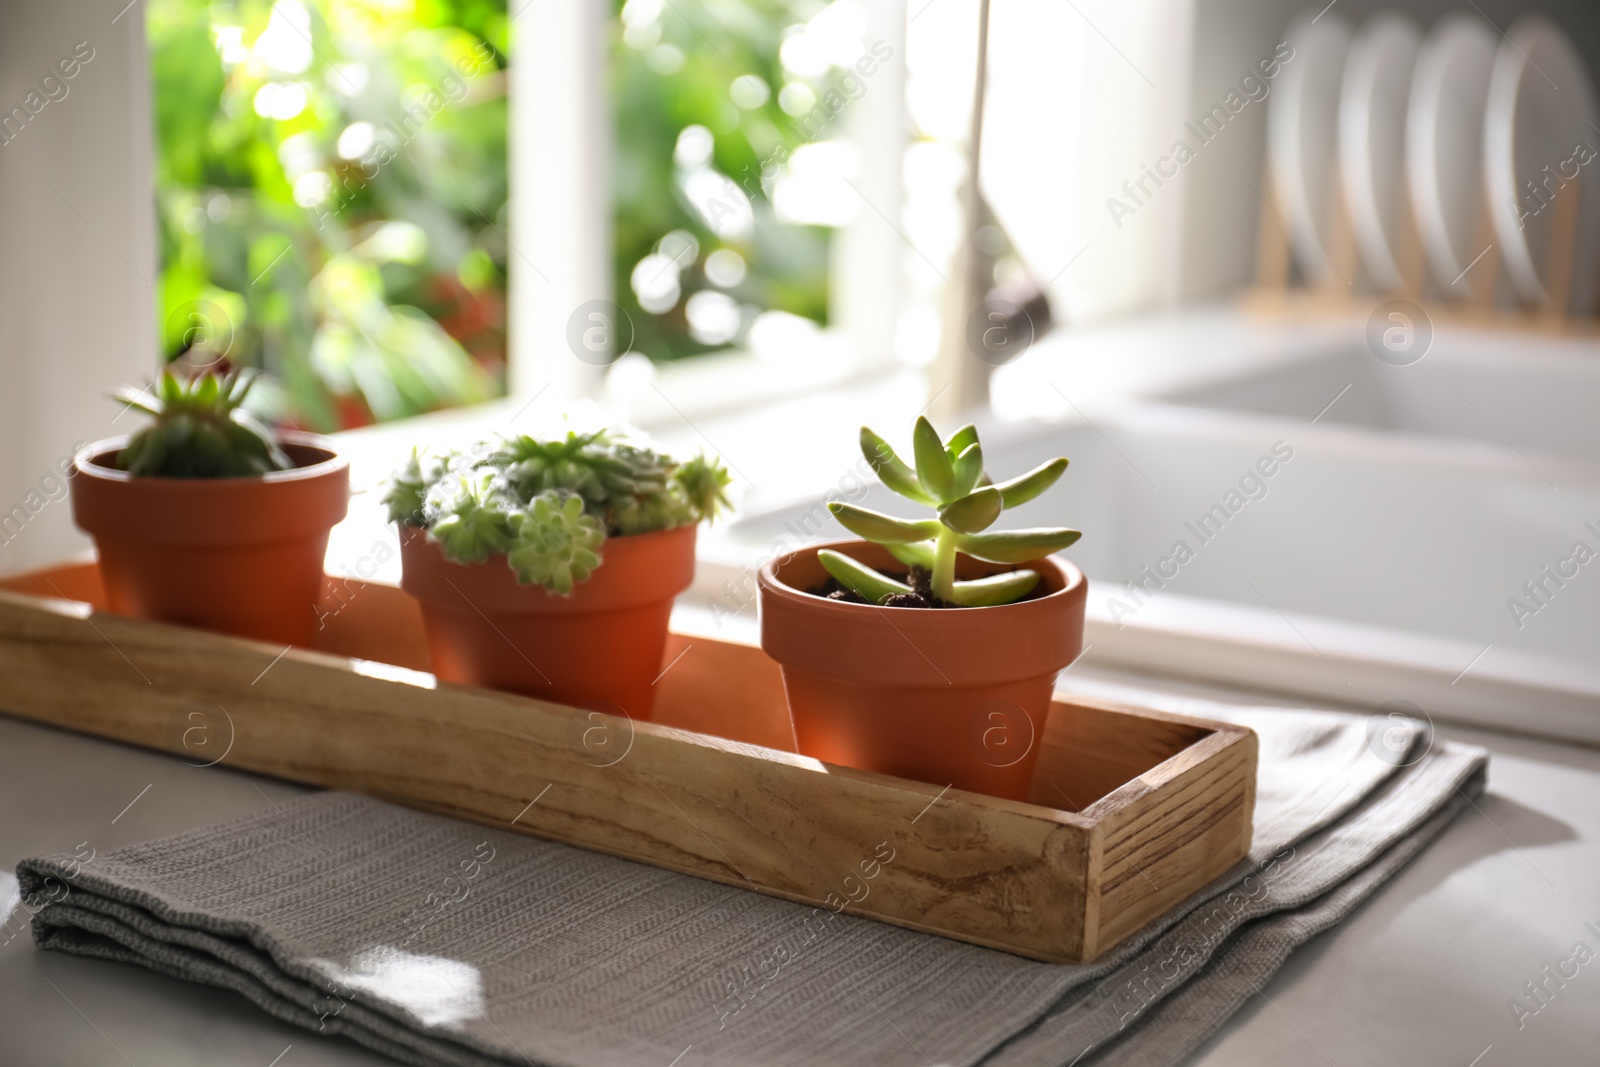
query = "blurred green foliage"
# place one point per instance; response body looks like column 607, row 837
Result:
column 673, row 66
column 331, row 193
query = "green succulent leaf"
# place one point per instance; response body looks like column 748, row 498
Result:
column 881, row 528
column 934, row 470
column 961, row 440
column 968, row 467
column 997, row 589
column 974, row 512
column 859, row 578
column 1024, row 488
column 1016, row 546
column 913, row 553
column 891, row 469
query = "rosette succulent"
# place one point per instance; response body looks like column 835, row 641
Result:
column 548, row 504
column 556, row 542
column 949, row 476
column 200, row 429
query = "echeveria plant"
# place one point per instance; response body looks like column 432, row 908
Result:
column 548, row 505
column 949, row 476
column 200, row 429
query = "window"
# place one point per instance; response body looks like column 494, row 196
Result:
column 334, row 191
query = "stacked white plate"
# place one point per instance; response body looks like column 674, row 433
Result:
column 1540, row 143
column 1372, row 137
column 1444, row 145
column 1303, row 134
column 1459, row 123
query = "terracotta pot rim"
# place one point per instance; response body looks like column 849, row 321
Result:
column 1072, row 577
column 258, row 509
column 87, row 462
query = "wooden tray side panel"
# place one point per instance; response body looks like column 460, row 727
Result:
column 1172, row 831
column 989, row 871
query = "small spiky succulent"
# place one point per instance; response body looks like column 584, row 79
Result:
column 469, row 513
column 201, row 429
column 548, row 505
column 949, row 475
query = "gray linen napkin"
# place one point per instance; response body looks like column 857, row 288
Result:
column 440, row 942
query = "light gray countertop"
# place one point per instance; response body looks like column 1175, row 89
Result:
column 1422, row 974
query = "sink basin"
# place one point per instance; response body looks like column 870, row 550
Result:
column 1539, row 396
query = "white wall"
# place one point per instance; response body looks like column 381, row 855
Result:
column 77, row 253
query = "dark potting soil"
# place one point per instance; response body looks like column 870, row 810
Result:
column 920, row 579
column 834, row 591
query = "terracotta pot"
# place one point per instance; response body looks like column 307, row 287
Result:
column 950, row 696
column 600, row 648
column 238, row 555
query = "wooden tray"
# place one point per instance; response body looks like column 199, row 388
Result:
column 1135, row 809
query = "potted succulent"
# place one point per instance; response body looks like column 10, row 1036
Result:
column 928, row 650
column 207, row 516
column 548, row 566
